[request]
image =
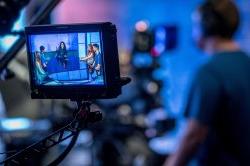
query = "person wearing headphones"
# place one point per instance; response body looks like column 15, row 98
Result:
column 218, row 105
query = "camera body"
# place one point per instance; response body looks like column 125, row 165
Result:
column 76, row 61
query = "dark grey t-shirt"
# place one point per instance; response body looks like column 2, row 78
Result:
column 220, row 99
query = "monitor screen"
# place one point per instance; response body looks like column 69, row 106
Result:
column 62, row 59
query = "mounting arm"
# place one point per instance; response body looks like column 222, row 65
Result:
column 80, row 121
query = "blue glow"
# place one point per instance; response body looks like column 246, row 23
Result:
column 160, row 34
column 19, row 24
column 160, row 40
column 7, row 41
column 159, row 48
column 160, row 74
column 15, row 124
column 142, row 60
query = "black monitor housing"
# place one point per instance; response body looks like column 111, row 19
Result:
column 109, row 85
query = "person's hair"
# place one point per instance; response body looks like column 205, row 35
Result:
column 96, row 46
column 64, row 48
column 42, row 48
column 219, row 18
column 91, row 50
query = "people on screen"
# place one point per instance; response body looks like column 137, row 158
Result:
column 41, row 74
column 89, row 58
column 62, row 56
column 44, row 62
column 98, row 64
column 93, row 60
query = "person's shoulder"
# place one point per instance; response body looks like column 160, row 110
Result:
column 227, row 56
column 228, row 60
column 205, row 67
column 221, row 62
column 205, row 71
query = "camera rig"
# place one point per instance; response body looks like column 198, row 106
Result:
column 82, row 117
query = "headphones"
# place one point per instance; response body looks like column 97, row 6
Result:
column 214, row 22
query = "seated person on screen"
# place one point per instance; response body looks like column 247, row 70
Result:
column 98, row 59
column 89, row 59
column 62, row 56
column 40, row 73
column 43, row 60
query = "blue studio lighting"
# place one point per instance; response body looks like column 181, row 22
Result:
column 19, row 24
column 160, row 40
column 14, row 124
column 7, row 41
column 142, row 60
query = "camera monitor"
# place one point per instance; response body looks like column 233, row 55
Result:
column 77, row 61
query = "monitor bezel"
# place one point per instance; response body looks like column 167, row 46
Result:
column 110, row 56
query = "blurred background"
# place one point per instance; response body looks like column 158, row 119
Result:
column 140, row 127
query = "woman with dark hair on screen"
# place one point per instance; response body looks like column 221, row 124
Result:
column 62, row 56
column 89, row 58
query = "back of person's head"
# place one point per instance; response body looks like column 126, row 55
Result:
column 42, row 48
column 219, row 18
column 96, row 46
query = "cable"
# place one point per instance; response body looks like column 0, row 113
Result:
column 7, row 152
column 80, row 121
column 61, row 157
column 40, row 146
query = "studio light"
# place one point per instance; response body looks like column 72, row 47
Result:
column 9, row 12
